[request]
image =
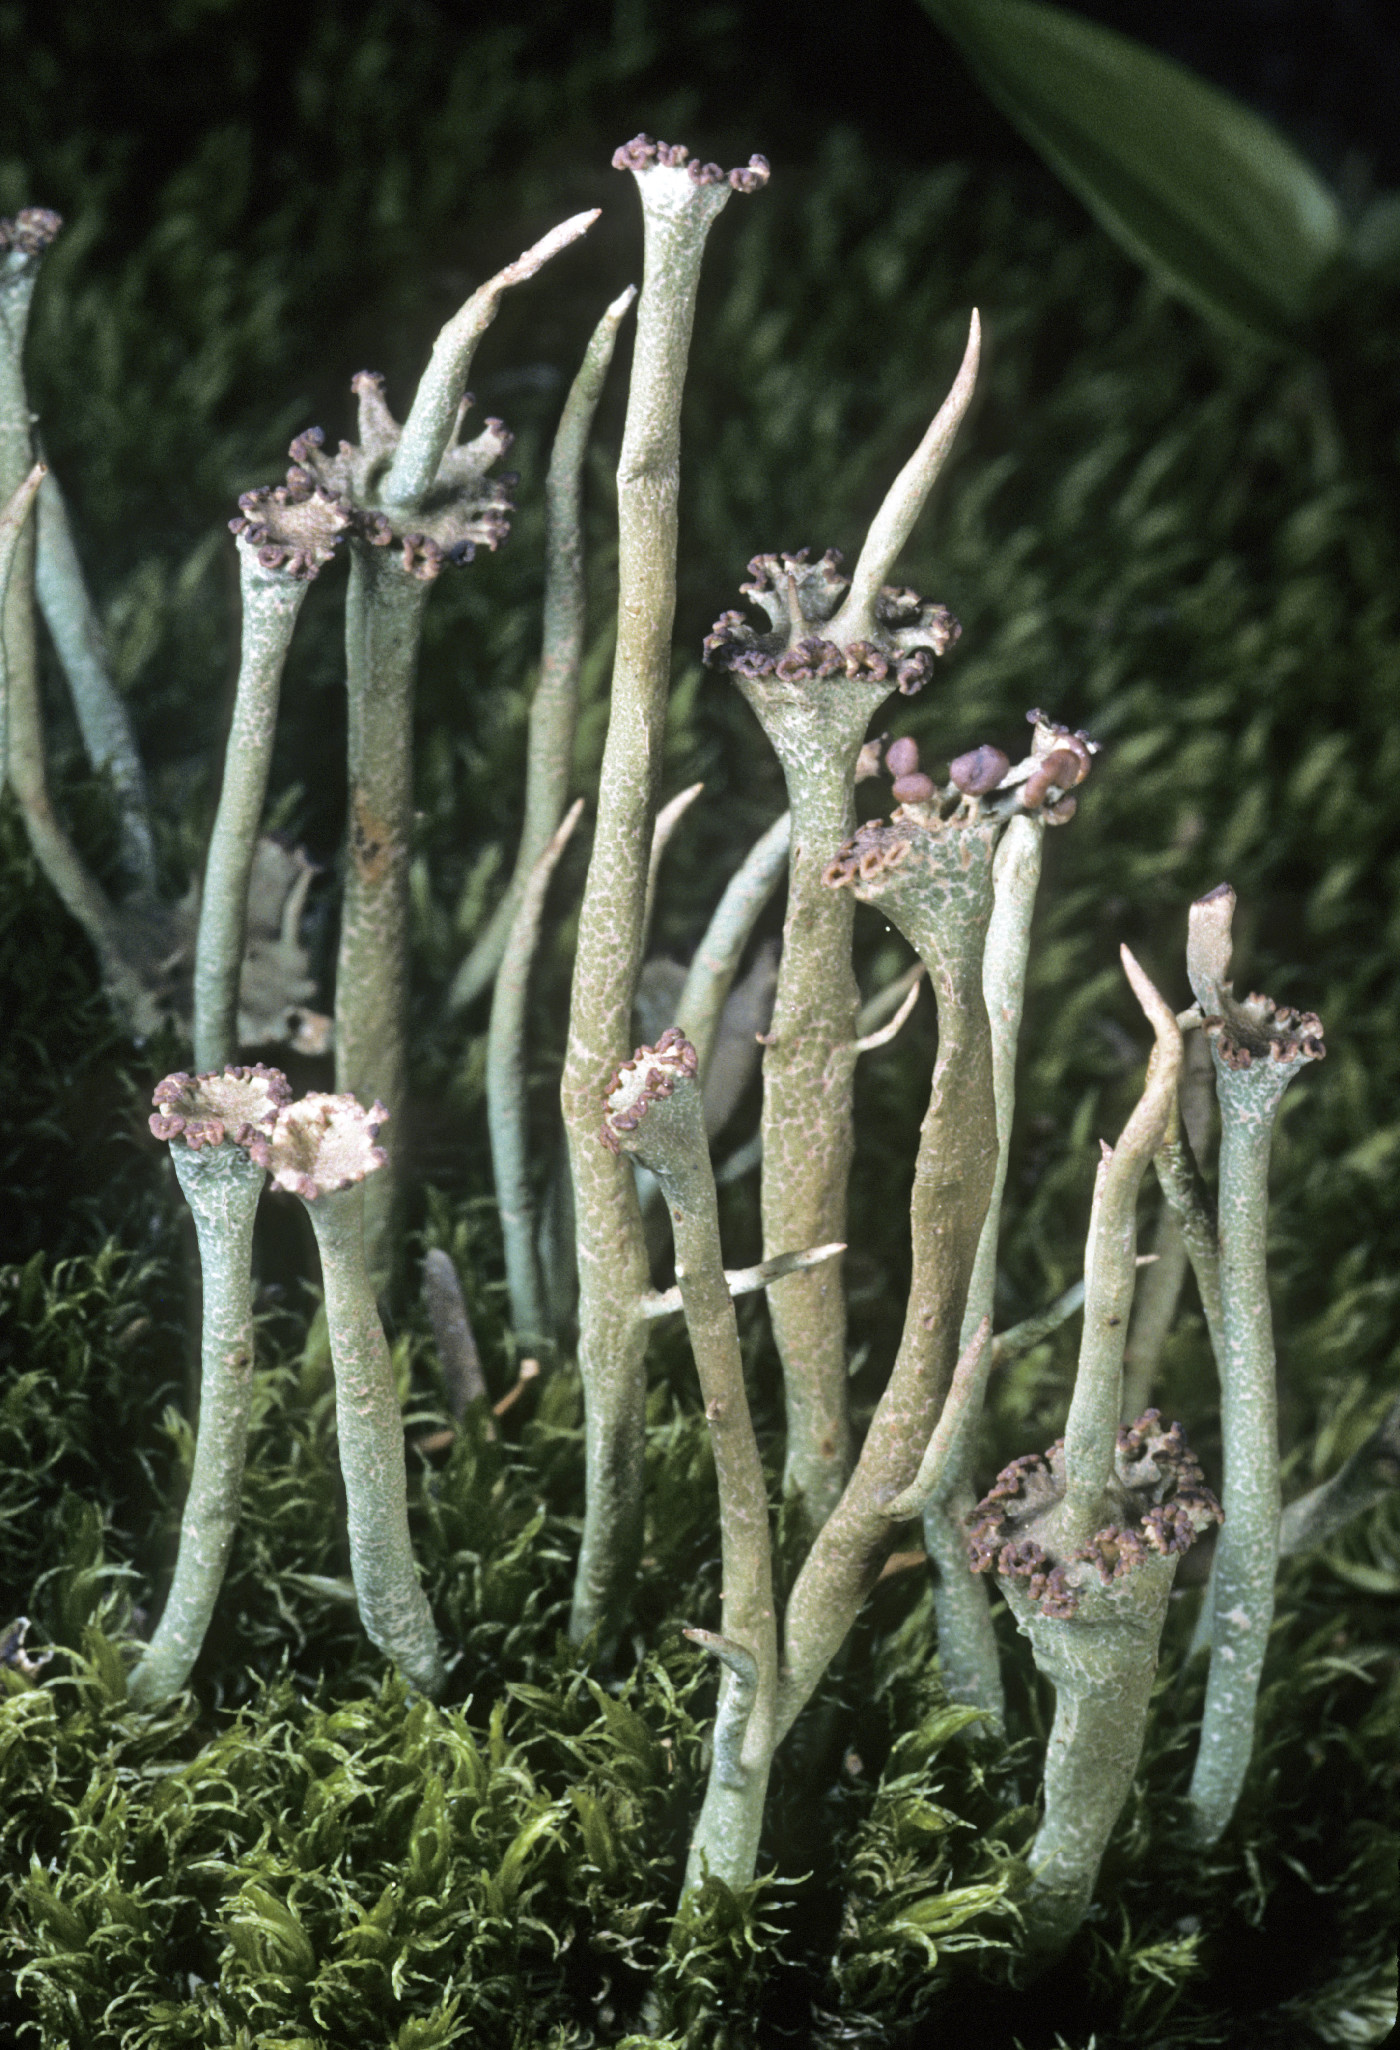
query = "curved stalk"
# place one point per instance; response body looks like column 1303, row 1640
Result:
column 272, row 599
column 322, row 1149
column 369, row 1429
column 432, row 420
column 933, row 879
column 1258, row 1049
column 218, row 1127
column 1110, row 1273
column 23, row 242
column 549, row 750
column 507, row 1108
column 833, row 656
column 222, row 1186
column 655, row 1113
column 964, row 1400
column 908, row 495
column 967, row 1651
column 664, row 826
column 678, row 212
column 13, row 517
column 103, row 720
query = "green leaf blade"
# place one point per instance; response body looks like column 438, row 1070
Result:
column 1193, row 185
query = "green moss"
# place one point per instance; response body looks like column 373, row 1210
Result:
column 1186, row 550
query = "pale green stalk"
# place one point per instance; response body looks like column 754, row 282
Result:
column 20, row 477
column 21, row 252
column 549, row 751
column 907, row 497
column 1102, row 1664
column 678, row 214
column 383, row 627
column 656, row 1115
column 935, row 884
column 806, row 1131
column 1195, row 1213
column 1110, row 1264
column 458, row 1355
column 892, row 998
column 13, row 517
column 507, row 1102
column 432, row 419
column 1185, row 1230
column 967, row 1651
column 1257, row 1050
column 272, row 598
column 103, row 720
column 1154, row 1312
column 1031, row 1331
column 389, row 587
column 222, row 1186
column 716, row 961
column 966, row 1392
column 369, row 1430
column 1086, row 1540
column 815, row 716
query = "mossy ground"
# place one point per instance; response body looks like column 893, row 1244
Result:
column 1184, row 548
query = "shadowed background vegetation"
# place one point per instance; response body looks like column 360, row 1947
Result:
column 1183, row 545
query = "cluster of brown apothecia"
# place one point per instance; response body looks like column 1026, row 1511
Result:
column 1164, row 1507
column 648, row 1078
column 296, row 526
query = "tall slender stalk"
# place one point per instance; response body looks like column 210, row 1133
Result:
column 507, row 1106
column 14, row 515
column 931, row 877
column 655, row 1113
column 1110, row 1274
column 680, row 204
column 415, row 467
column 814, row 681
column 218, row 1126
column 273, row 579
column 322, row 1148
column 967, row 1652
column 549, row 751
column 421, row 499
column 383, row 627
column 1258, row 1047
column 103, row 720
column 131, row 991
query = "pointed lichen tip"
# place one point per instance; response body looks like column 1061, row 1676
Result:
column 1155, row 1008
